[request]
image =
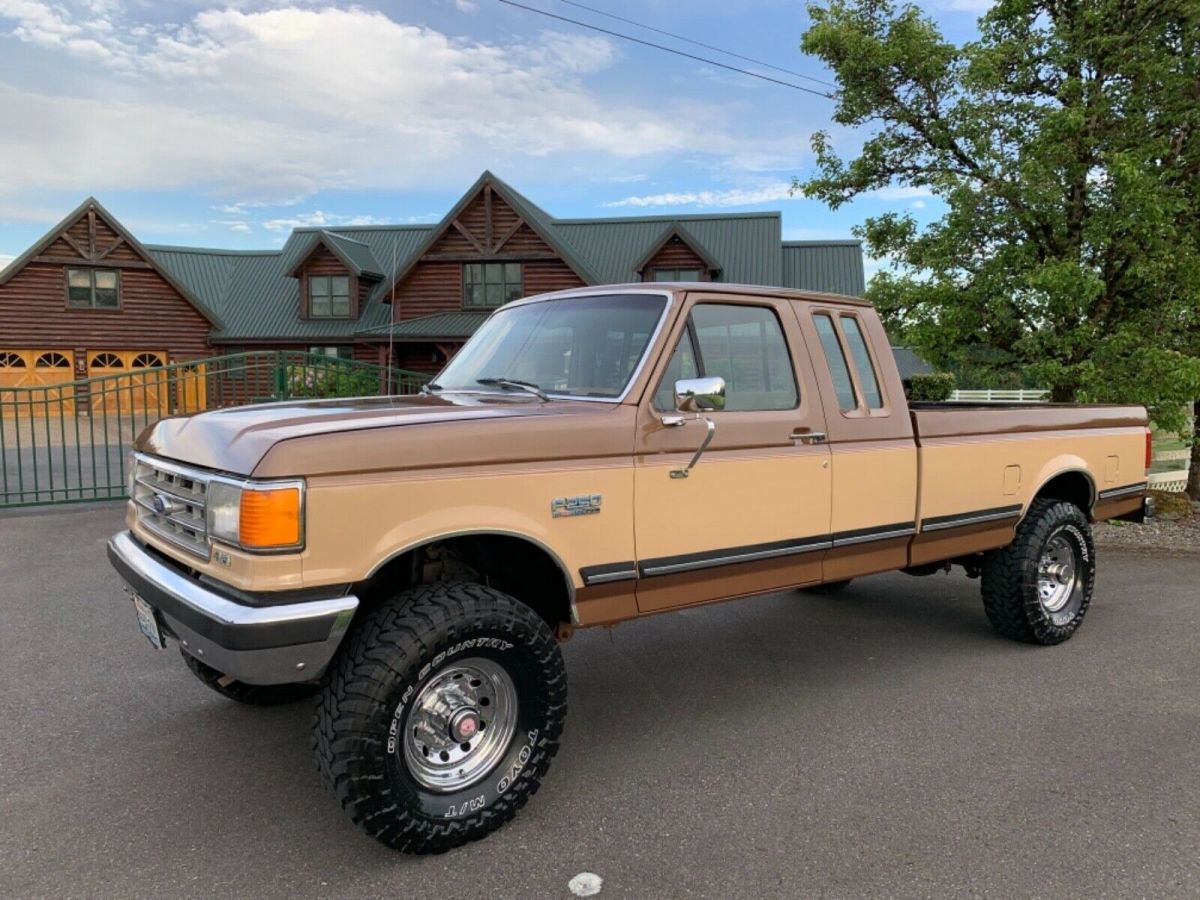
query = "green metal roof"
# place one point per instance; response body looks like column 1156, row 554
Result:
column 253, row 297
column 747, row 245
column 832, row 266
column 449, row 326
column 355, row 254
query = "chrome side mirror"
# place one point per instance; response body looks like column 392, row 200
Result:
column 699, row 394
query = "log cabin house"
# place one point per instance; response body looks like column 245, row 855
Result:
column 89, row 299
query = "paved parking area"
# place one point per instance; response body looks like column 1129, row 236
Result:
column 880, row 743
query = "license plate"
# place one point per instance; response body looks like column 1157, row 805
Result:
column 148, row 622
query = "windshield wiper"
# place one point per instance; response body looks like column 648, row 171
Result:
column 527, row 386
column 429, row 388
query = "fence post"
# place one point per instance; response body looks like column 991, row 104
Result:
column 281, row 390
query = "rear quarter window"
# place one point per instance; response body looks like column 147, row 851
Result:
column 862, row 362
column 843, row 386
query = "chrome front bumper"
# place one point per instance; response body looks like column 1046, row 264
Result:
column 271, row 644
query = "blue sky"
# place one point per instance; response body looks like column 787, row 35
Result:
column 227, row 124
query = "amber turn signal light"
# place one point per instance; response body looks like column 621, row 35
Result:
column 270, row 518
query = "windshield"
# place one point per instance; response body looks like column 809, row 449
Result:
column 576, row 347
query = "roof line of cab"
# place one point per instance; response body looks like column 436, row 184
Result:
column 717, row 287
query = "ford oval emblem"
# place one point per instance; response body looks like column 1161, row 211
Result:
column 162, row 504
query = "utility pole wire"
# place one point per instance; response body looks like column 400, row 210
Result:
column 687, row 40
column 628, row 37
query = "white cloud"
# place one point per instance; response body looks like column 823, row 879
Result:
column 899, row 192
column 318, row 219
column 969, row 6
column 771, row 193
column 466, row 6
column 43, row 214
column 829, row 232
column 873, row 265
column 918, row 204
column 5, row 259
column 242, row 207
column 231, row 101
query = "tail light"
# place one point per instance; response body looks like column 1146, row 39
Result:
column 1149, row 450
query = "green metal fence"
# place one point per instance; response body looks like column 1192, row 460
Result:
column 68, row 442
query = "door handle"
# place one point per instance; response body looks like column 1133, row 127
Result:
column 808, row 436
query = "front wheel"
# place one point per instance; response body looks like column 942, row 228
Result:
column 1039, row 587
column 440, row 717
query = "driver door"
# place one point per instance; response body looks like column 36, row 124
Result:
column 754, row 513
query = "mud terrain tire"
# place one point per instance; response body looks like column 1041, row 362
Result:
column 1024, row 594
column 426, row 659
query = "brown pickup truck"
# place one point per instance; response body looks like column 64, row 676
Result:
column 588, row 457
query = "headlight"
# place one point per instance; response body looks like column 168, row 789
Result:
column 257, row 516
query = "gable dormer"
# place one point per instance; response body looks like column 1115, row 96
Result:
column 492, row 247
column 89, row 283
column 336, row 275
column 677, row 256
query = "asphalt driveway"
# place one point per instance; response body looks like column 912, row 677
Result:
column 880, row 743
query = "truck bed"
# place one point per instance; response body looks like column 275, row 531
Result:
column 980, row 465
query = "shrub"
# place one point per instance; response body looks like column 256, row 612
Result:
column 331, row 380
column 936, row 386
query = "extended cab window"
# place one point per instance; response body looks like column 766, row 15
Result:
column 842, row 385
column 742, row 344
column 862, row 362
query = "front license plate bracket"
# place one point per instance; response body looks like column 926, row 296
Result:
column 148, row 622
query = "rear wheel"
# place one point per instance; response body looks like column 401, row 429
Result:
column 1039, row 587
column 250, row 694
column 829, row 587
column 440, row 716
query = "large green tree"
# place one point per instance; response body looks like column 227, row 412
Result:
column 1065, row 144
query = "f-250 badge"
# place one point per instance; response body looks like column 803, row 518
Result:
column 583, row 505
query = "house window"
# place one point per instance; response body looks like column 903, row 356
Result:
column 329, row 296
column 342, row 351
column 52, row 361
column 93, row 289
column 678, row 275
column 488, row 285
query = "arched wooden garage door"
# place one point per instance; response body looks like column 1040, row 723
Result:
column 128, row 381
column 37, row 369
column 191, row 389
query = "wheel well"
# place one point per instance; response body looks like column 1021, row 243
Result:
column 1073, row 487
column 512, row 564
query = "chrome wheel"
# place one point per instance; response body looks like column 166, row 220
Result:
column 460, row 725
column 1057, row 573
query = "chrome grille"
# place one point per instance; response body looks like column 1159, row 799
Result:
column 171, row 502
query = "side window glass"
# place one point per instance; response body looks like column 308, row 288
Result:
column 682, row 365
column 745, row 346
column 862, row 362
column 837, row 362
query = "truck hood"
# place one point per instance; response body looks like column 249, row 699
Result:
column 235, row 440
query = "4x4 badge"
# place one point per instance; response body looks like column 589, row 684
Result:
column 583, row 505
